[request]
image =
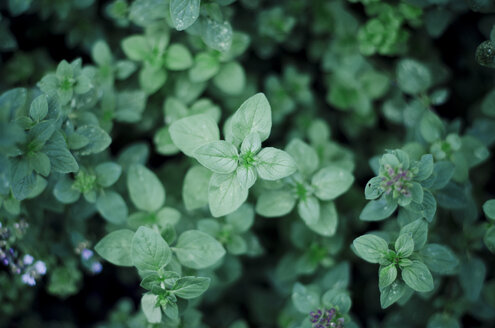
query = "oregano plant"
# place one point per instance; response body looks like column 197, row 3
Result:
column 247, row 163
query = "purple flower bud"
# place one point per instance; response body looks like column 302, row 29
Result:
column 28, row 259
column 86, row 254
column 28, row 279
column 5, row 261
column 40, row 267
column 96, row 267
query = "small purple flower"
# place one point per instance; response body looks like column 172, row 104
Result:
column 28, row 259
column 96, row 267
column 40, row 267
column 86, row 254
column 28, row 279
column 5, row 261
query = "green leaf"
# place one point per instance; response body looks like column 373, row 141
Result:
column 231, row 79
column 327, row 220
column 273, row 164
column 22, row 178
column 309, row 210
column 275, row 203
column 130, row 106
column 194, row 131
column 242, row 219
column 418, row 230
column 489, row 209
column 152, row 78
column 425, row 168
column 178, row 57
column 304, row 155
column 392, row 293
column 373, row 188
column 331, row 182
column 377, row 210
column 40, row 162
column 413, row 77
column 149, row 251
column 64, row 192
column 39, row 108
column 217, row 35
column 195, row 188
column 442, row 173
column 225, row 194
column 404, row 245
column 472, row 275
column 206, row 65
column 440, row 259
column 237, row 245
column 116, row 247
column 219, row 156
column 184, row 13
column 198, row 250
column 146, row 190
column 246, row 176
column 254, row 115
column 101, row 53
column 489, row 239
column 418, row 277
column 387, row 275
column 99, row 140
column 136, row 47
column 112, row 207
column 370, row 247
column 107, row 173
column 190, row 287
column 431, row 127
column 338, row 299
column 151, row 309
column 305, row 300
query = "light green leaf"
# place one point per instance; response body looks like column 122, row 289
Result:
column 219, row 156
column 440, row 259
column 418, row 277
column 112, row 207
column 241, row 219
column 217, row 35
column 412, row 76
column 39, row 108
column 136, row 47
column 370, row 247
column 327, row 221
column 331, row 182
column 107, row 173
column 309, row 210
column 149, row 251
column 404, row 245
column 246, row 176
column 225, row 194
column 151, row 309
column 304, row 155
column 151, row 78
column 377, row 210
column 273, row 164
column 254, row 115
column 198, row 250
column 194, row 131
column 275, row 203
column 442, row 320
column 178, row 57
column 387, row 275
column 195, row 188
column 489, row 209
column 184, row 13
column 206, row 65
column 231, row 78
column 116, row 247
column 190, row 287
column 392, row 293
column 418, row 230
column 145, row 189
column 304, row 299
column 99, row 140
column 338, row 299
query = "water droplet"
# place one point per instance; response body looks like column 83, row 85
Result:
column 485, row 54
